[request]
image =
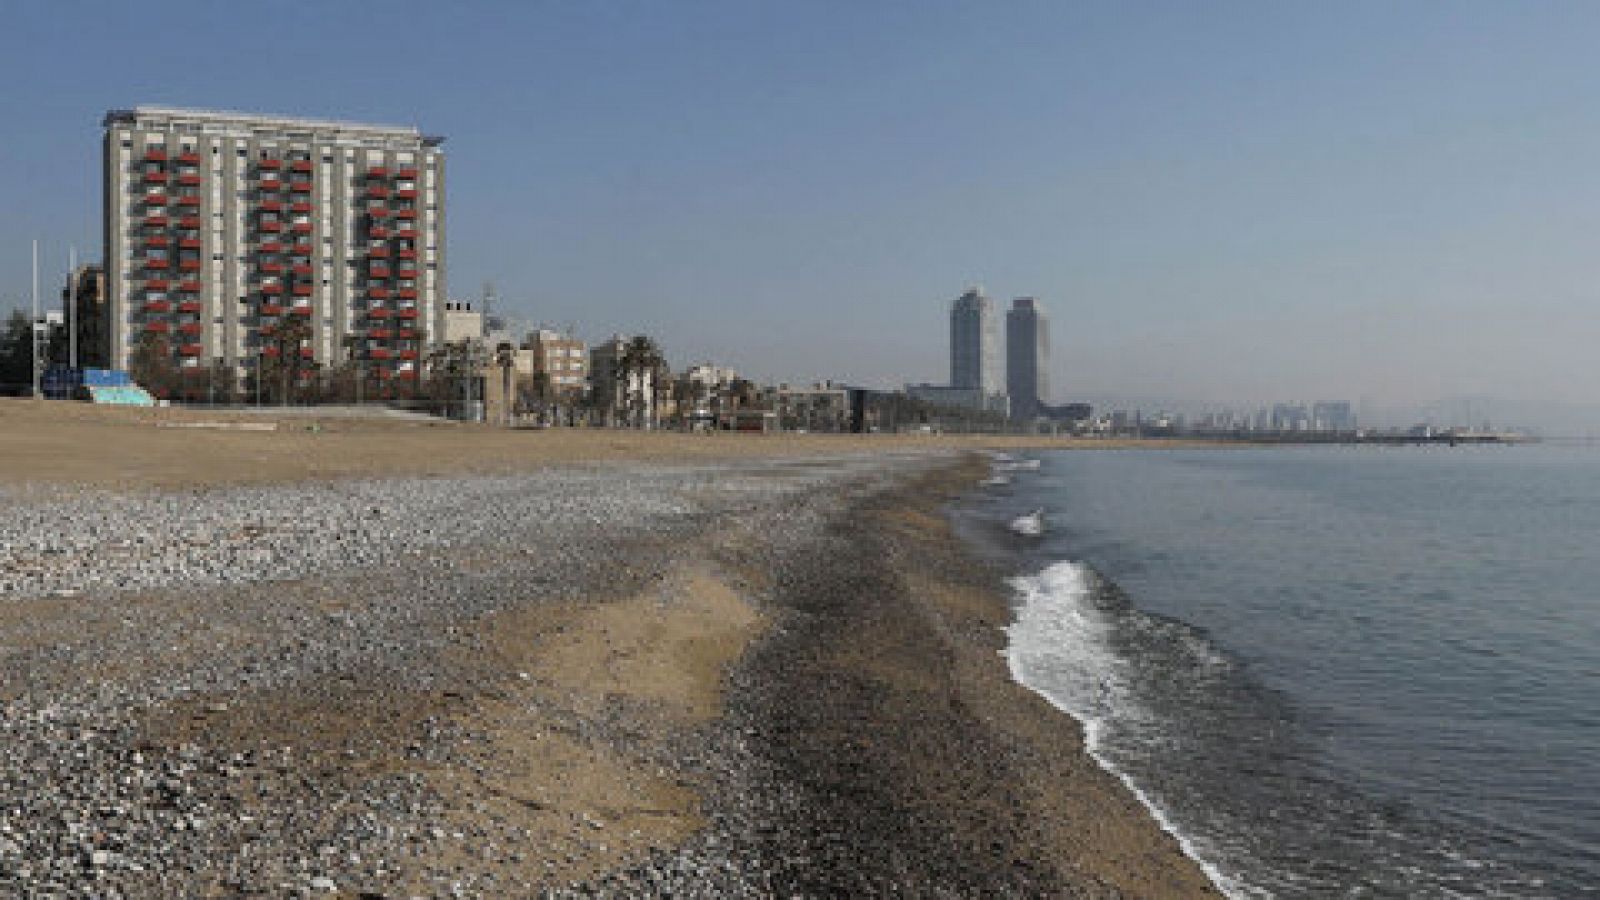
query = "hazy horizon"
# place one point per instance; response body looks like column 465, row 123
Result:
column 1227, row 205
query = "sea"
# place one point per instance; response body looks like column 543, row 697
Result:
column 1334, row 671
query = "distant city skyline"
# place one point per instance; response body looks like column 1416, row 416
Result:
column 1237, row 203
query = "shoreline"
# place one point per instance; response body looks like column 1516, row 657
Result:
column 769, row 676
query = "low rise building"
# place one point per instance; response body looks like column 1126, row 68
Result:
column 461, row 322
column 563, row 359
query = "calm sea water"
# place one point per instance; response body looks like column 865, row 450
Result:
column 1331, row 671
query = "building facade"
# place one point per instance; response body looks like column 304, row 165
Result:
column 1027, row 357
column 563, row 359
column 85, row 296
column 974, row 344
column 223, row 228
column 461, row 323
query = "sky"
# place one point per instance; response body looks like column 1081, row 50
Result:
column 1219, row 204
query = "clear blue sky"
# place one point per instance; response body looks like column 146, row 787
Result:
column 1391, row 203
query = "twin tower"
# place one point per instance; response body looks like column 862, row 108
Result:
column 975, row 351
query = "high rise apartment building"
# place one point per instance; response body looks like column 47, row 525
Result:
column 974, row 344
column 1027, row 357
column 221, row 228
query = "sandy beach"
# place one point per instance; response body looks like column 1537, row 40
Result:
column 391, row 659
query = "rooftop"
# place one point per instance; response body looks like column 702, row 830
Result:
column 224, row 119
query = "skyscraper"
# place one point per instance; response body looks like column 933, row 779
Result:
column 974, row 344
column 1027, row 357
column 222, row 228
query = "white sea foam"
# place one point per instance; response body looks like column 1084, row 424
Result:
column 1030, row 525
column 1014, row 465
column 1060, row 647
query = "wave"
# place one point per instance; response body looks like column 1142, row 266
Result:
column 1061, row 647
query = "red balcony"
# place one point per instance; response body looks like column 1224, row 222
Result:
column 190, row 287
column 189, row 159
column 301, row 207
column 406, row 273
column 157, row 306
column 271, row 309
column 408, row 354
column 268, row 330
column 408, row 374
column 301, row 250
column 189, row 243
column 272, row 268
column 190, row 328
column 155, row 221
column 377, row 191
column 302, row 271
column 307, row 353
column 408, row 293
column 189, row 200
column 157, row 327
column 378, row 293
column 380, row 353
column 302, row 228
column 157, row 240
column 271, row 227
column 300, row 165
column 379, row 252
column 191, row 307
column 406, row 334
column 379, row 334
column 406, row 194
column 189, row 180
column 189, row 265
column 190, row 222
column 408, row 254
column 270, row 352
column 300, row 187
column 407, row 174
column 273, row 288
column 378, row 313
column 302, row 310
column 378, row 272
column 407, row 313
column 269, row 165
column 156, row 199
column 407, row 233
column 377, row 212
column 156, row 264
column 155, row 285
column 155, row 178
column 271, row 247
column 271, row 206
column 302, row 290
column 405, row 214
column 271, row 183
column 190, row 350
column 155, row 154
column 378, row 172
column 378, row 232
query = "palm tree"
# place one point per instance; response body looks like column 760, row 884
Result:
column 290, row 337
column 505, row 356
column 640, row 368
column 540, row 389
